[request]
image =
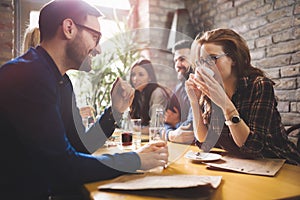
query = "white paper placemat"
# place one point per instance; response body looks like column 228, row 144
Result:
column 266, row 166
column 146, row 181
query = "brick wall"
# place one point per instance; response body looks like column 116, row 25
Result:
column 161, row 16
column 6, row 30
column 155, row 17
column 271, row 28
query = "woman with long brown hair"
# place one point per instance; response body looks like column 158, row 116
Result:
column 239, row 95
column 149, row 95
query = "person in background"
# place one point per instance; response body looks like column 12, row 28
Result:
column 148, row 96
column 31, row 38
column 46, row 151
column 239, row 95
column 178, row 117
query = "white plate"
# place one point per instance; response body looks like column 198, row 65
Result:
column 202, row 156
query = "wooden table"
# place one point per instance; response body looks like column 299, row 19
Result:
column 285, row 184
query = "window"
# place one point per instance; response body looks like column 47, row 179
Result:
column 27, row 13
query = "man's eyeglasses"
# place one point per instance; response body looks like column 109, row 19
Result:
column 96, row 34
column 210, row 60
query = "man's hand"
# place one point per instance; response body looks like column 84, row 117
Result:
column 182, row 134
column 121, row 95
column 154, row 154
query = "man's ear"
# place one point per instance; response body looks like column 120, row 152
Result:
column 68, row 28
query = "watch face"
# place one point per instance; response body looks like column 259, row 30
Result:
column 235, row 119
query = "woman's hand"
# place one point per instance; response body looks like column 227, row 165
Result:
column 192, row 89
column 212, row 88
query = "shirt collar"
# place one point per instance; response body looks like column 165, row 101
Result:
column 61, row 80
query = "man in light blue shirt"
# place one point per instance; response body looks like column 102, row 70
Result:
column 178, row 117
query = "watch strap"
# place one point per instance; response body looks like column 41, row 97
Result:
column 228, row 122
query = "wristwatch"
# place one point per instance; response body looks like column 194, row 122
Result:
column 234, row 120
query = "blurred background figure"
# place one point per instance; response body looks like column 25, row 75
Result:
column 149, row 95
column 178, row 117
column 31, row 38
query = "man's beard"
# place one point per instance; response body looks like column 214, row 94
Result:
column 184, row 76
column 86, row 65
column 74, row 52
column 181, row 77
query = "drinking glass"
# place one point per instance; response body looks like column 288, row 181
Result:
column 126, row 139
column 156, row 133
column 136, row 128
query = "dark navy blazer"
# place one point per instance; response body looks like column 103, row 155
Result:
column 45, row 148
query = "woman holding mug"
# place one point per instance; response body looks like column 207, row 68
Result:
column 239, row 95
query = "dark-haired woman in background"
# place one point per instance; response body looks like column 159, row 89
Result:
column 239, row 94
column 149, row 95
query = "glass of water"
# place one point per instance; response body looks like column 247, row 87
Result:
column 136, row 128
column 156, row 133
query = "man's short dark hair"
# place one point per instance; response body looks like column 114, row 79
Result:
column 53, row 14
column 182, row 44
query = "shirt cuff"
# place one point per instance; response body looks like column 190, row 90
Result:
column 167, row 136
column 108, row 121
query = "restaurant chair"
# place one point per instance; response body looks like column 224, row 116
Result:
column 294, row 132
